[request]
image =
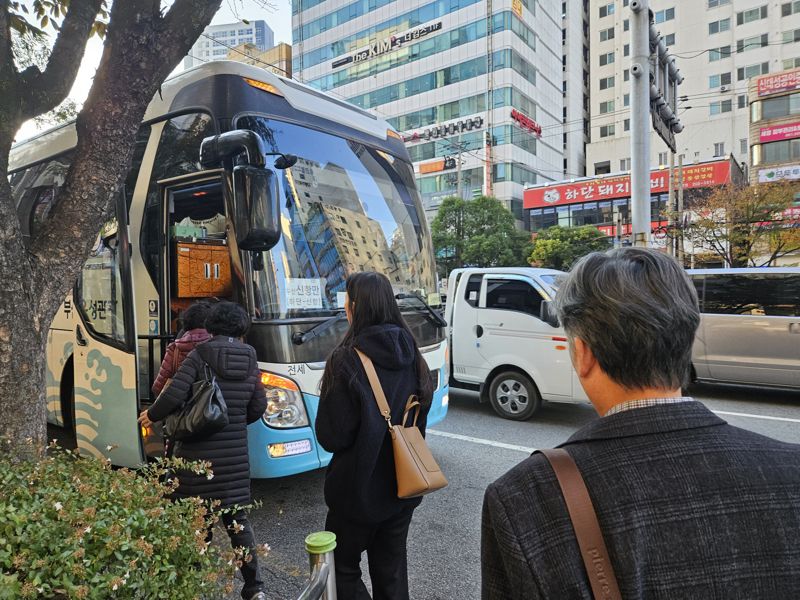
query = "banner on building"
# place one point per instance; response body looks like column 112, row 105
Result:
column 779, row 173
column 778, row 133
column 780, row 82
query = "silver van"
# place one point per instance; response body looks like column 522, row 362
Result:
column 750, row 327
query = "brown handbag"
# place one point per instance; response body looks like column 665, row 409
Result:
column 416, row 470
column 587, row 528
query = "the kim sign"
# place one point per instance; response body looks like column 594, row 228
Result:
column 387, row 44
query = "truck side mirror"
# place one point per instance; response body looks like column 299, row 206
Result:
column 548, row 314
column 256, row 209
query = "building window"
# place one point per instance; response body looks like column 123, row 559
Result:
column 626, row 24
column 626, row 50
column 715, row 54
column 791, row 36
column 776, row 152
column 715, row 81
column 777, row 108
column 626, row 125
column 669, row 39
column 757, row 41
column 665, row 15
column 743, row 73
column 719, row 26
column 625, row 164
column 791, row 63
column 607, row 83
column 722, row 106
column 607, row 34
column 602, row 168
column 662, row 159
column 606, row 10
column 626, row 74
column 607, row 131
column 741, row 101
column 743, row 146
column 606, row 59
column 606, row 107
column 716, row 3
column 626, row 100
column 790, row 8
column 754, row 14
column 719, row 149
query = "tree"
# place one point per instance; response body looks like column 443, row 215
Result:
column 143, row 44
column 559, row 247
column 746, row 225
column 479, row 233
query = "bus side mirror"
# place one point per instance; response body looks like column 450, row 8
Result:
column 256, row 210
column 548, row 314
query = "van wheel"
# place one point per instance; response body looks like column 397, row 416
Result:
column 513, row 396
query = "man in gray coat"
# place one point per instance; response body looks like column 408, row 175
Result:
column 689, row 506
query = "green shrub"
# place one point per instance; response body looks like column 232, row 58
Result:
column 74, row 527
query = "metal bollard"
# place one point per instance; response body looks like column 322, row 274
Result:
column 320, row 546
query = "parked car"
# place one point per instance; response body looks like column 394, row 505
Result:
column 500, row 344
column 750, row 326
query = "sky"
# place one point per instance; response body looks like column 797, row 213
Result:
column 279, row 19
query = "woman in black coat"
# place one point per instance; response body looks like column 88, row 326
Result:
column 360, row 485
column 236, row 370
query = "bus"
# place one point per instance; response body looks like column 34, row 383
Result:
column 244, row 186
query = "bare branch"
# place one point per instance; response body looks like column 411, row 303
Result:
column 45, row 90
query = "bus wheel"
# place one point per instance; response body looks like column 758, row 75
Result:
column 69, row 436
column 514, row 396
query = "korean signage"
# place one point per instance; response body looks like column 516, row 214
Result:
column 779, row 173
column 609, row 188
column 434, row 166
column 780, row 82
column 303, row 293
column 779, row 132
column 387, row 44
column 526, row 122
column 445, row 130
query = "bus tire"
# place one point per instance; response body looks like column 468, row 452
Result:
column 514, row 396
column 70, row 439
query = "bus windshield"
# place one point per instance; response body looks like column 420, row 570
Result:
column 346, row 207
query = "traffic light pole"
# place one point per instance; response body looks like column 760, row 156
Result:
column 640, row 123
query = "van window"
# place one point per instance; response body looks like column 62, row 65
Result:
column 473, row 291
column 513, row 295
column 754, row 294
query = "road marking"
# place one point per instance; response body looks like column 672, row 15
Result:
column 481, row 441
column 765, row 417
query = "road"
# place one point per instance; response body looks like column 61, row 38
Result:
column 474, row 447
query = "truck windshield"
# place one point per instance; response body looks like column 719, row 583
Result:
column 346, row 207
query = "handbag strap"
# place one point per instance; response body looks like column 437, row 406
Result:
column 377, row 388
column 175, row 356
column 584, row 522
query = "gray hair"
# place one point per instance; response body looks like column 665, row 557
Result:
column 637, row 311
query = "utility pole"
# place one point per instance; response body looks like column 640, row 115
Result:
column 671, row 248
column 680, row 212
column 459, row 191
column 640, row 124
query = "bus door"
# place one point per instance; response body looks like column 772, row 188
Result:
column 106, row 403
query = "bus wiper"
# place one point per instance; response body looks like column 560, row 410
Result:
column 434, row 317
column 301, row 337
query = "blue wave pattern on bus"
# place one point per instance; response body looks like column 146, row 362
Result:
column 260, row 436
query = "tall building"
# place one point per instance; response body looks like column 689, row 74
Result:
column 277, row 60
column 431, row 69
column 718, row 44
column 576, row 86
column 216, row 40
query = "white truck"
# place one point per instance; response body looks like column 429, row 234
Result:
column 500, row 344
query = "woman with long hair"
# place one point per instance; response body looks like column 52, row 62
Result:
column 360, row 485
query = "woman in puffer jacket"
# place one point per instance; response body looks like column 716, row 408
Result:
column 192, row 322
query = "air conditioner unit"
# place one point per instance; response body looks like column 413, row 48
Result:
column 723, row 88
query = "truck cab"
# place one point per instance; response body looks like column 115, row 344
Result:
column 499, row 344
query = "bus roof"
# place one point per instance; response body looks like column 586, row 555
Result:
column 299, row 96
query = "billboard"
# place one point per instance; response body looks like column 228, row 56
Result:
column 780, row 82
column 777, row 133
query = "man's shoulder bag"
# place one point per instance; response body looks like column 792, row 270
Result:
column 587, row 528
column 204, row 413
column 416, row 469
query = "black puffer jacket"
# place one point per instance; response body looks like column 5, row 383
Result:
column 234, row 364
column 360, row 483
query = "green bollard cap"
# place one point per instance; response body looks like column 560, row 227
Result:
column 320, row 542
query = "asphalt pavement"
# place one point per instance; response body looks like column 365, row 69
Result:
column 474, row 447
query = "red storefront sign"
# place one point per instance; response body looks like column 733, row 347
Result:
column 526, row 122
column 780, row 82
column 626, row 228
column 777, row 133
column 608, row 188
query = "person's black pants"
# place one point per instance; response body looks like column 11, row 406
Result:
column 241, row 533
column 385, row 544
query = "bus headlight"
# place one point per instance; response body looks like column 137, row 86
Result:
column 285, row 406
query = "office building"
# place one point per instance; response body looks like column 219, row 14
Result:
column 276, row 60
column 575, row 37
column 216, row 41
column 431, row 69
column 719, row 46
column 775, row 127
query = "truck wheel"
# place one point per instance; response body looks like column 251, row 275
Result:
column 513, row 396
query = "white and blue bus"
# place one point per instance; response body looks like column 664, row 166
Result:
column 244, row 186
